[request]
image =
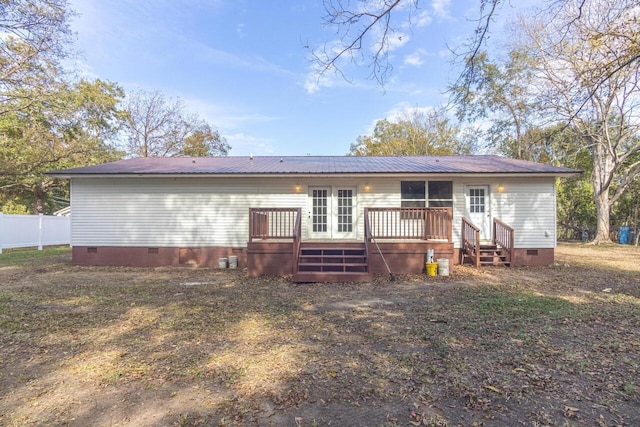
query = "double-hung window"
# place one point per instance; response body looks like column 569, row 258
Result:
column 426, row 194
column 413, row 194
column 440, row 194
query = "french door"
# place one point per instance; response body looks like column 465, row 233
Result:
column 332, row 212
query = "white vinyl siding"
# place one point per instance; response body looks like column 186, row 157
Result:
column 526, row 204
column 529, row 206
column 210, row 211
column 183, row 212
column 172, row 212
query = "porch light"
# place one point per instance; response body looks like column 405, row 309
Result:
column 367, row 187
column 500, row 188
column 298, row 188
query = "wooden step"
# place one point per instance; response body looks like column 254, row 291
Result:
column 332, row 262
column 489, row 255
column 330, row 277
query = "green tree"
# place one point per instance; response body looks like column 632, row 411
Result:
column 77, row 128
column 160, row 127
column 417, row 133
column 35, row 38
column 501, row 94
column 204, row 142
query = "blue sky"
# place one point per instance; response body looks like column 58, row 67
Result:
column 242, row 66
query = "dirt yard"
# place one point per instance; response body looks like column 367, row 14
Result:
column 557, row 346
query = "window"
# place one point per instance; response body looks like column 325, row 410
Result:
column 412, row 194
column 320, row 212
column 434, row 194
column 345, row 211
column 476, row 200
column 440, row 194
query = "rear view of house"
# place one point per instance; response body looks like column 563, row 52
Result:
column 317, row 218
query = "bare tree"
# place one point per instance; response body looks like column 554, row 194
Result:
column 160, row 127
column 585, row 78
column 366, row 29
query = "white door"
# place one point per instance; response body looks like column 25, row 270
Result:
column 478, row 209
column 332, row 213
column 320, row 212
column 344, row 213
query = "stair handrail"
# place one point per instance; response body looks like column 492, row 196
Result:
column 367, row 235
column 297, row 239
column 471, row 241
column 503, row 236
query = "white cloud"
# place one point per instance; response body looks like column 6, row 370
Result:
column 394, row 40
column 404, row 109
column 445, row 53
column 240, row 30
column 416, row 58
column 422, row 19
column 398, row 40
column 441, row 8
column 318, row 77
column 314, row 82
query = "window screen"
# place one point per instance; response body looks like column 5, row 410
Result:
column 413, row 194
column 440, row 194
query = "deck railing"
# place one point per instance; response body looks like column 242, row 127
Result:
column 297, row 239
column 273, row 223
column 410, row 223
column 471, row 241
column 503, row 236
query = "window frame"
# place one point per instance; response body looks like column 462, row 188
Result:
column 442, row 202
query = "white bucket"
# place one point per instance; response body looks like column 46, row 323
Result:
column 233, row 262
column 222, row 263
column 430, row 253
column 443, row 266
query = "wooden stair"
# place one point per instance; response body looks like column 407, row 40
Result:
column 492, row 255
column 332, row 262
column 489, row 255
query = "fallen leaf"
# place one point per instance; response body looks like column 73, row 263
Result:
column 492, row 388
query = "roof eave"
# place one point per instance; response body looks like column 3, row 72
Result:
column 571, row 174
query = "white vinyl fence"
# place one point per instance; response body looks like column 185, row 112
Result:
column 22, row 231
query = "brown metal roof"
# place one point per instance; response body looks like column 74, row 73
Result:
column 318, row 165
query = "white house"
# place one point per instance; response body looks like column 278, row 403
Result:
column 318, row 218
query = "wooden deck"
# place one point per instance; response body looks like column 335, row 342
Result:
column 403, row 236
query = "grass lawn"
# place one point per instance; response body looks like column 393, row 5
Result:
column 555, row 346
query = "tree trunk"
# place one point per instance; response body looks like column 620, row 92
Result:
column 39, row 198
column 600, row 178
column 603, row 209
